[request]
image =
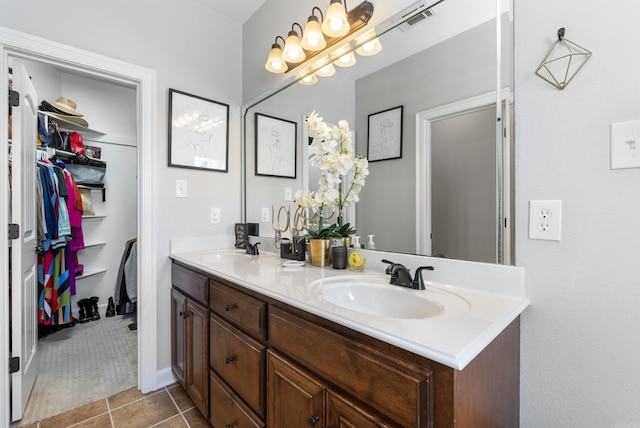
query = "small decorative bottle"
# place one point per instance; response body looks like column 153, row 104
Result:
column 356, row 256
column 371, row 245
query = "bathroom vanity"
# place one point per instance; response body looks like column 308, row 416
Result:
column 256, row 344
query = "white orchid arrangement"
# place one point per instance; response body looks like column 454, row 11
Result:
column 332, row 150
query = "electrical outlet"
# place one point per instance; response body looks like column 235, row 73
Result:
column 214, row 215
column 265, row 215
column 545, row 220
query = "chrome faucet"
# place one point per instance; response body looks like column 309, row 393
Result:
column 250, row 248
column 401, row 275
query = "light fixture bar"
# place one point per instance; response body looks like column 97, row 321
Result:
column 358, row 17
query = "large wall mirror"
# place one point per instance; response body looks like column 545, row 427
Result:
column 450, row 192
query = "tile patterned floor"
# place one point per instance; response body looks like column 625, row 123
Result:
column 167, row 407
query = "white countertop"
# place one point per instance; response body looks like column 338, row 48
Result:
column 493, row 297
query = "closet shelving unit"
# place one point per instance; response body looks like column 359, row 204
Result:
column 66, row 125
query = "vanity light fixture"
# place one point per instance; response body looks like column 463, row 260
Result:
column 311, row 79
column 275, row 63
column 326, row 71
column 368, row 47
column 313, row 39
column 317, row 37
column 346, row 60
column 335, row 23
column 293, row 51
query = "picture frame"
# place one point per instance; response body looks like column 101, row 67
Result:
column 275, row 148
column 198, row 132
column 384, row 135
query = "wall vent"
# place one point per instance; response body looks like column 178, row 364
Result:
column 415, row 14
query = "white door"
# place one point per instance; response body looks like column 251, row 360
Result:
column 24, row 276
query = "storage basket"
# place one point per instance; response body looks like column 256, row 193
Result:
column 88, row 172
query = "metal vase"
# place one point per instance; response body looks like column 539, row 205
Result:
column 320, row 252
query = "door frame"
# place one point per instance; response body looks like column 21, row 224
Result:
column 26, row 46
column 424, row 120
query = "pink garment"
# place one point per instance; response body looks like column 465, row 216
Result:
column 74, row 206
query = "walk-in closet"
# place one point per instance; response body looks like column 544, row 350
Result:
column 86, row 291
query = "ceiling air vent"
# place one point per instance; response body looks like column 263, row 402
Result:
column 415, row 14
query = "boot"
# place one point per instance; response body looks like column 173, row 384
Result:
column 82, row 314
column 93, row 302
column 111, row 308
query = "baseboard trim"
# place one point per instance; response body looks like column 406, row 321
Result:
column 165, row 377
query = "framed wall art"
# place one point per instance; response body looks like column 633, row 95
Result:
column 384, row 138
column 198, row 132
column 276, row 149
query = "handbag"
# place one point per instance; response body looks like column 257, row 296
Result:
column 75, row 143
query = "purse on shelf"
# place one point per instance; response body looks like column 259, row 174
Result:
column 75, row 143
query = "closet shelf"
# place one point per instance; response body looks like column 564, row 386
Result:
column 67, row 124
column 88, row 273
column 89, row 217
column 94, row 244
column 95, row 189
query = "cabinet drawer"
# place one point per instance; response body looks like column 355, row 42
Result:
column 239, row 308
column 240, row 361
column 227, row 409
column 398, row 389
column 191, row 283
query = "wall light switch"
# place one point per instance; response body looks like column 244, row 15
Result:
column 265, row 217
column 181, row 189
column 625, row 145
column 288, row 194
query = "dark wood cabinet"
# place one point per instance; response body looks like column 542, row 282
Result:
column 190, row 338
column 248, row 360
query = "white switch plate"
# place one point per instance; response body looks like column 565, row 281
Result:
column 288, row 194
column 181, row 189
column 545, row 220
column 265, row 215
column 214, row 215
column 625, row 145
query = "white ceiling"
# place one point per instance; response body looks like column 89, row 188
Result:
column 237, row 10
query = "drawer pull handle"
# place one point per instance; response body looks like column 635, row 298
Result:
column 229, row 307
column 313, row 420
column 228, row 426
column 183, row 314
column 228, row 360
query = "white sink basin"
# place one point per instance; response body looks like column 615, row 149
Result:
column 225, row 257
column 375, row 296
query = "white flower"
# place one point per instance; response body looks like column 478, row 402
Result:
column 332, row 150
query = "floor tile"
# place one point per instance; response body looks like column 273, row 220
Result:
column 175, row 422
column 126, row 397
column 181, row 398
column 102, row 421
column 76, row 415
column 195, row 418
column 146, row 412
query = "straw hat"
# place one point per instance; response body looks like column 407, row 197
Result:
column 75, row 119
column 66, row 106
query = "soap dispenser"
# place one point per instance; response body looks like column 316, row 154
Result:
column 356, row 256
column 371, row 245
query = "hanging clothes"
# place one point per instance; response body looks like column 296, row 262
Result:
column 57, row 221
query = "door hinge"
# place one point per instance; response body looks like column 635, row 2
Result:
column 14, row 98
column 14, row 231
column 14, row 364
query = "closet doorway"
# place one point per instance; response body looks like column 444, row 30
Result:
column 85, row 67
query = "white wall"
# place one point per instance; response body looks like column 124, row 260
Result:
column 183, row 42
column 580, row 343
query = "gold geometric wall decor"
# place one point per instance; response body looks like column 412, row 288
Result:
column 563, row 61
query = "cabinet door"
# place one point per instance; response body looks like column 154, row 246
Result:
column 343, row 413
column 295, row 399
column 197, row 375
column 178, row 335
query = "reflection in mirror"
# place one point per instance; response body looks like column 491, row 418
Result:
column 444, row 195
